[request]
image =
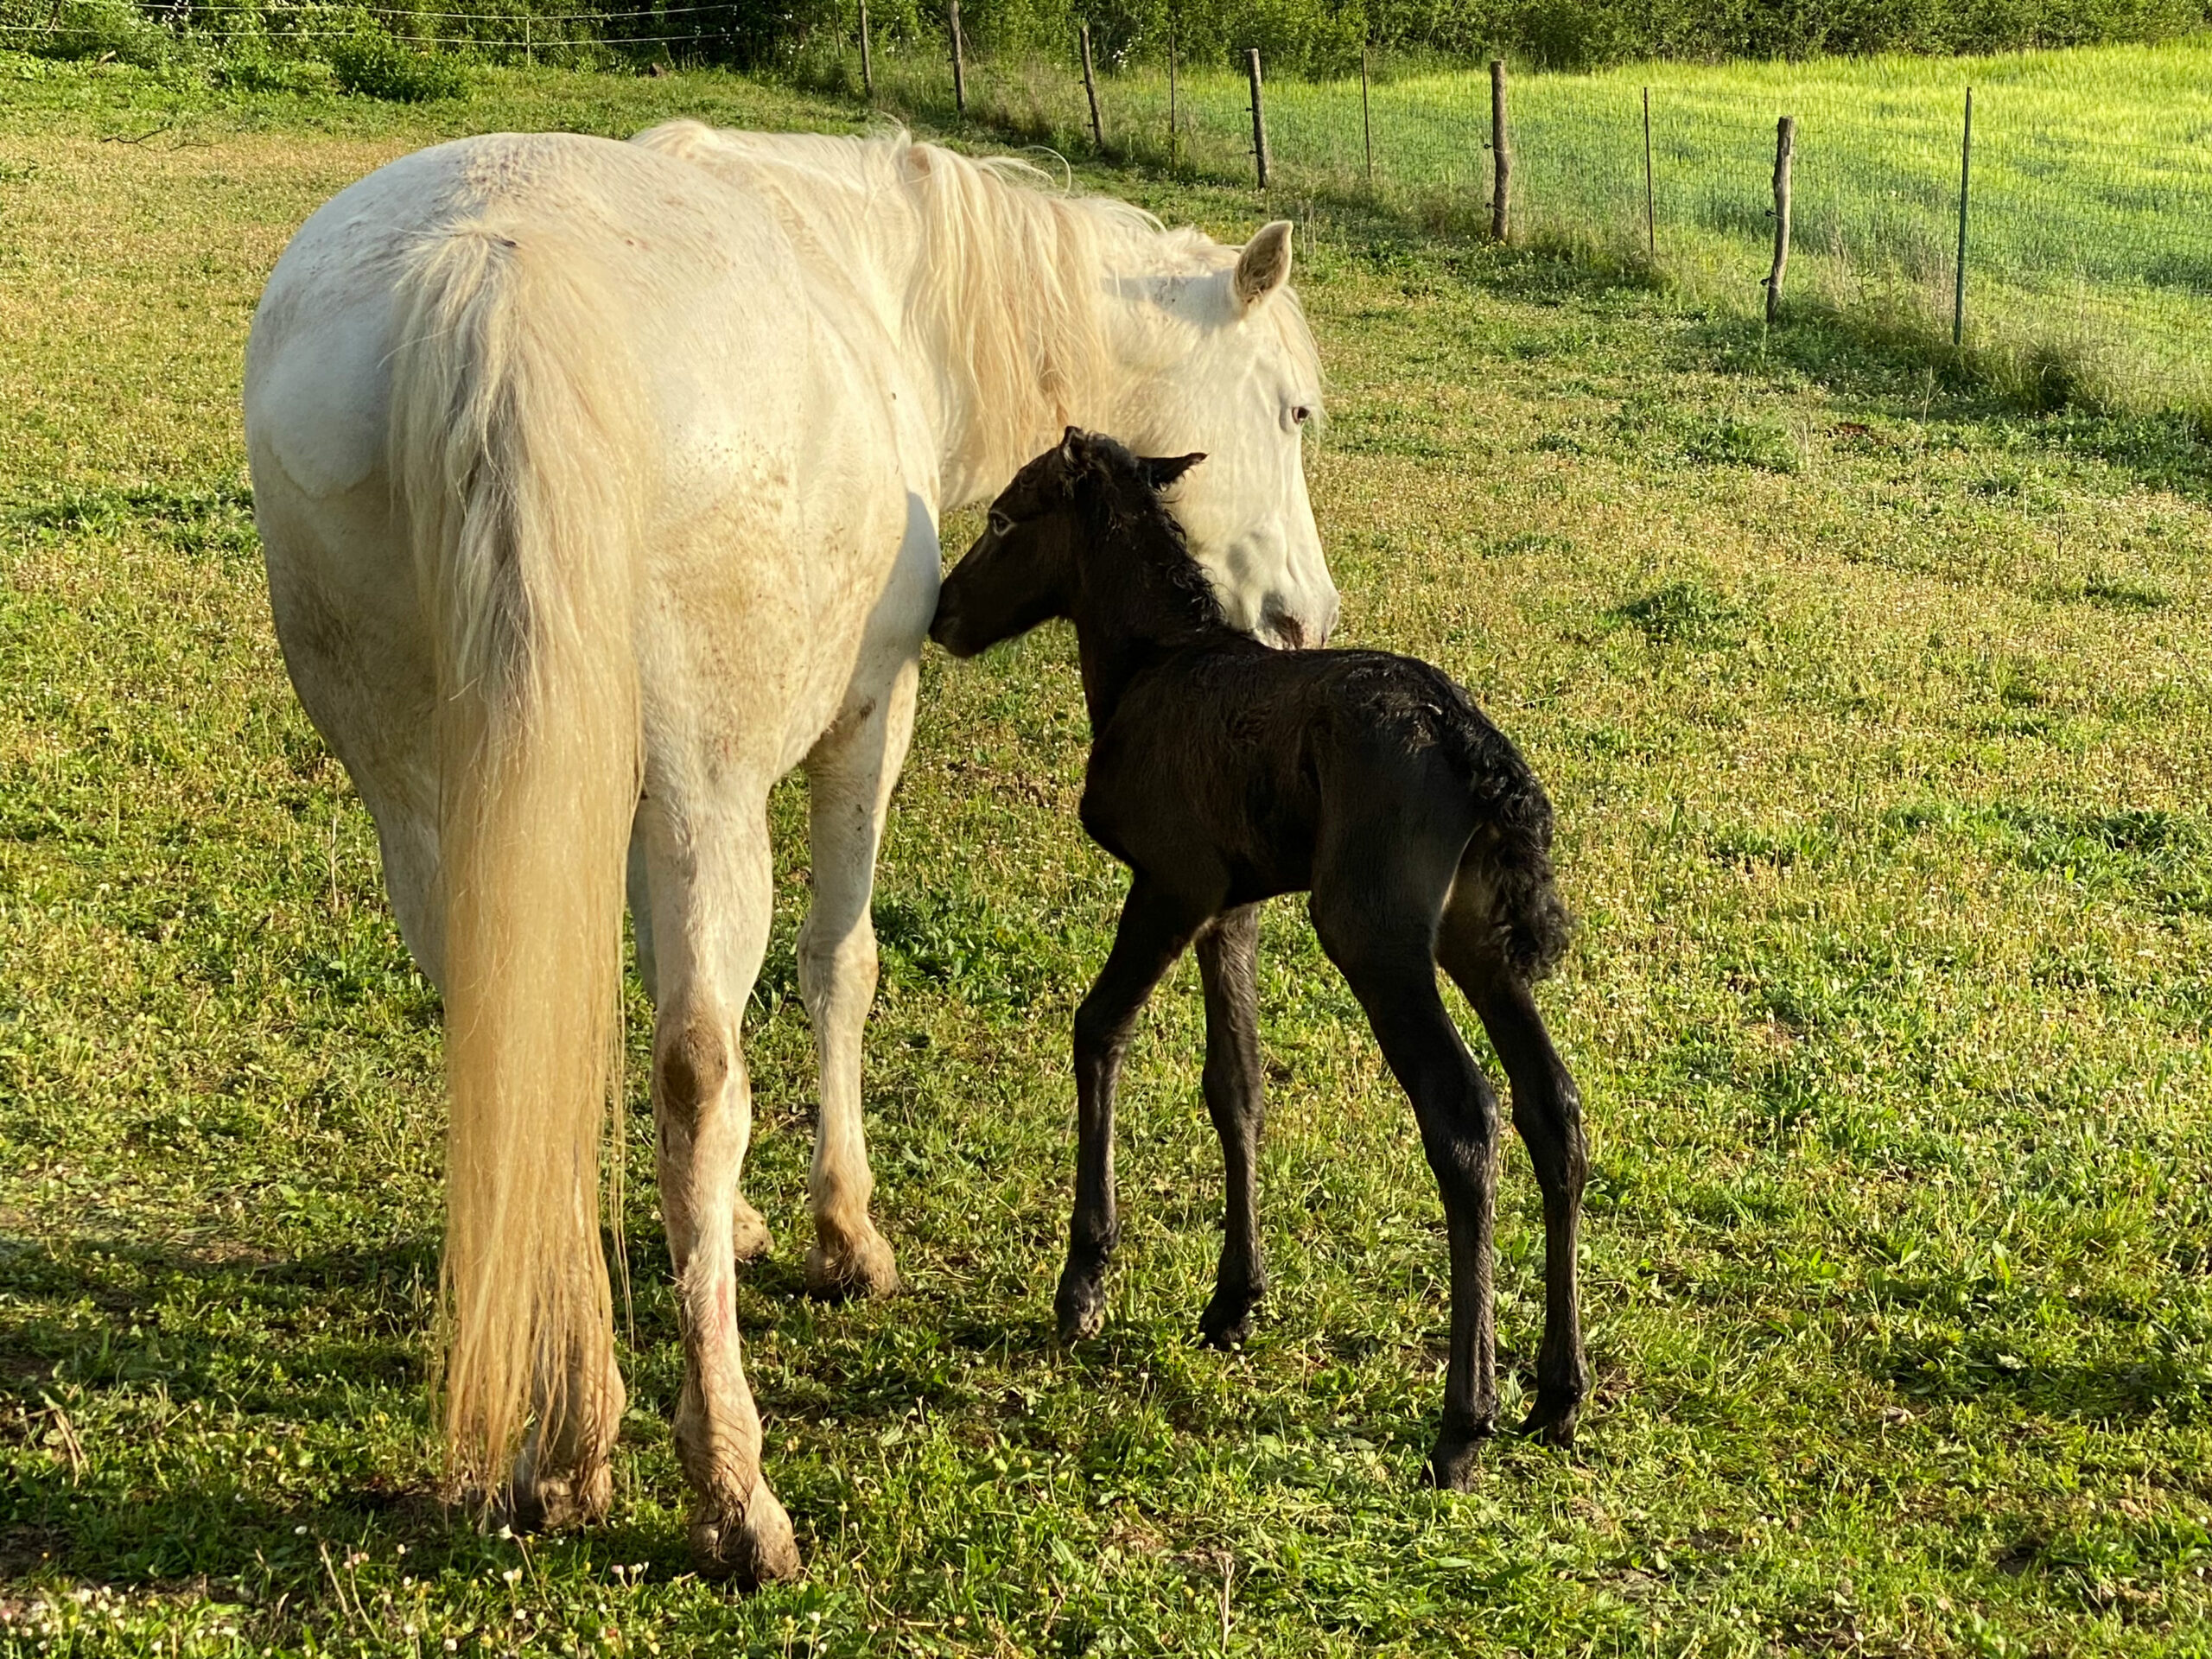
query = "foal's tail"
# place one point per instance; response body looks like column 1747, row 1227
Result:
column 1511, row 847
column 516, row 445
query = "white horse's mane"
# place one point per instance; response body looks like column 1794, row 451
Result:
column 1021, row 290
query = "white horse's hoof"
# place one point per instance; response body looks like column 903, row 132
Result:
column 546, row 1503
column 860, row 1267
column 749, row 1234
column 753, row 1548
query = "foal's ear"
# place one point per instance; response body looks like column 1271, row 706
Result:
column 1263, row 266
column 1160, row 471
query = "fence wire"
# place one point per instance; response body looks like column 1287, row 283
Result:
column 2088, row 266
column 2089, row 220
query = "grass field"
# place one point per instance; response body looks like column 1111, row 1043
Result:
column 2090, row 258
column 1879, row 719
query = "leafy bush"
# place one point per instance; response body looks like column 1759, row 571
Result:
column 96, row 28
column 1324, row 36
column 370, row 62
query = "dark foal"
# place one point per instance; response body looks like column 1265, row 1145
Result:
column 1223, row 773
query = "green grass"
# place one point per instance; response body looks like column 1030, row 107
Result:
column 2090, row 256
column 1878, row 714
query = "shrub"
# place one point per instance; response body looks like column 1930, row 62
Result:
column 369, row 61
column 95, row 29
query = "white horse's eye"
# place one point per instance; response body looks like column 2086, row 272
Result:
column 1302, row 415
column 1001, row 525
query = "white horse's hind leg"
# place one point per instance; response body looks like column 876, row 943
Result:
column 849, row 776
column 750, row 1236
column 712, row 891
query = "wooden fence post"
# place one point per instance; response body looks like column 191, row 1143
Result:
column 1171, row 92
column 1091, row 91
column 1500, row 153
column 1785, row 140
column 959, row 69
column 1966, row 178
column 1366, row 116
column 1259, row 118
column 867, row 67
column 1650, row 200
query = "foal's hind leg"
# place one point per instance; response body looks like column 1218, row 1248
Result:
column 1155, row 930
column 1228, row 953
column 849, row 776
column 1380, row 928
column 1547, row 1112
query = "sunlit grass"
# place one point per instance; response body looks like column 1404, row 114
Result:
column 2089, row 265
column 1878, row 718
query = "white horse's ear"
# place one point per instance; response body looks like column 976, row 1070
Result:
column 1263, row 266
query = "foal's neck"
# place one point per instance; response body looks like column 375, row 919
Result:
column 1143, row 597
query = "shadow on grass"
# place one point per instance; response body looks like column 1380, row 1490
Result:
column 97, row 1313
column 1911, row 374
column 2113, row 1390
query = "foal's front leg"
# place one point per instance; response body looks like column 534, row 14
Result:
column 1155, row 930
column 1235, row 1100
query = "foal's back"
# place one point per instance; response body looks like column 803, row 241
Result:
column 1229, row 764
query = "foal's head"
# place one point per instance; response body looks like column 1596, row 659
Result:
column 1082, row 532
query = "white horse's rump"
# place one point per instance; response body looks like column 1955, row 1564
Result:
column 599, row 484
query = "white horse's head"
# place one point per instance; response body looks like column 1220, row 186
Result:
column 1038, row 311
column 1242, row 382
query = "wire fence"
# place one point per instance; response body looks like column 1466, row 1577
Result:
column 2087, row 193
column 2083, row 212
column 585, row 37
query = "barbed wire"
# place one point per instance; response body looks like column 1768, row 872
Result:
column 543, row 45
column 182, row 25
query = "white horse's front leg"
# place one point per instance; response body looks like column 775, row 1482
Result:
column 849, row 776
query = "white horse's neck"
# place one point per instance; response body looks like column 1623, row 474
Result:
column 1023, row 311
column 1031, row 312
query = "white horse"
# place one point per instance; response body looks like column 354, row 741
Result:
column 599, row 484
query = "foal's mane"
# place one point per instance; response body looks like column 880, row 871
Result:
column 1036, row 308
column 1140, row 580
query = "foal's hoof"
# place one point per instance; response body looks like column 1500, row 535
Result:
column 1451, row 1465
column 840, row 1270
column 1080, row 1306
column 753, row 1548
column 1552, row 1421
column 749, row 1234
column 1228, row 1319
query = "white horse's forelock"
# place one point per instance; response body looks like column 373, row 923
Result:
column 1018, row 292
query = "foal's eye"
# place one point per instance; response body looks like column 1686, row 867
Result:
column 1001, row 525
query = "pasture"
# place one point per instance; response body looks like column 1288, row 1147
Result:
column 2089, row 266
column 1878, row 714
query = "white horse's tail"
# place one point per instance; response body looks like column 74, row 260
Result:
column 517, row 447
